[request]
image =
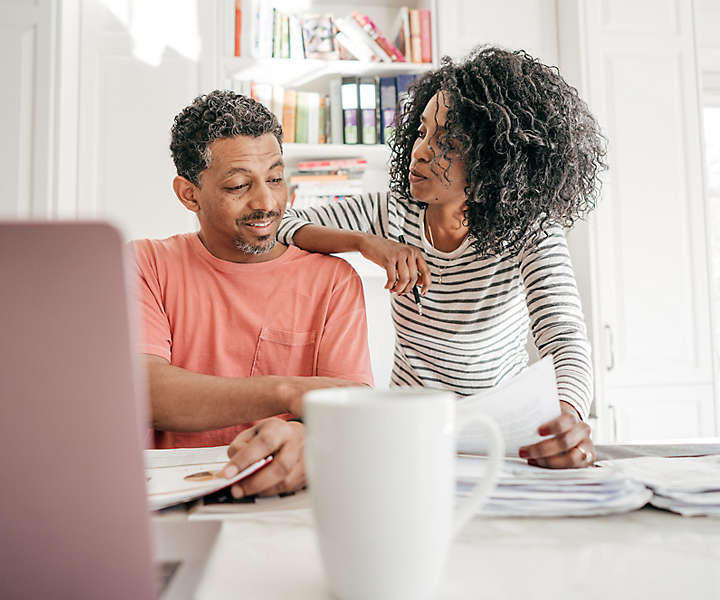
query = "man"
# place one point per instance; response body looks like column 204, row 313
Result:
column 237, row 326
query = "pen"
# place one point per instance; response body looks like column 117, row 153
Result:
column 416, row 294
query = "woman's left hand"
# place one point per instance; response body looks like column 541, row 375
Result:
column 570, row 446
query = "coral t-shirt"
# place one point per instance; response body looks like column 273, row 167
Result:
column 299, row 314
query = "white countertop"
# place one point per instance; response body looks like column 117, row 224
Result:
column 643, row 554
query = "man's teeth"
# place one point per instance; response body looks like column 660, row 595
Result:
column 263, row 224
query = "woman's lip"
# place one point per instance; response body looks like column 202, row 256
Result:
column 417, row 174
column 415, row 178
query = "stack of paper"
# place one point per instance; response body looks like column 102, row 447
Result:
column 527, row 491
column 689, row 486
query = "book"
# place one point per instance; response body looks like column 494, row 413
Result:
column 238, row 26
column 313, row 108
column 318, row 178
column 402, row 32
column 264, row 28
column 351, row 28
column 276, row 33
column 332, row 164
column 388, row 104
column 302, row 117
column 335, row 135
column 322, row 120
column 278, row 97
column 319, row 37
column 349, row 99
column 425, row 36
column 403, row 82
column 285, row 36
column 288, row 116
column 263, row 93
column 372, row 30
column 415, row 39
column 350, row 48
column 296, row 43
column 367, row 90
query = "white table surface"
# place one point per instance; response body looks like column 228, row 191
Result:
column 643, row 554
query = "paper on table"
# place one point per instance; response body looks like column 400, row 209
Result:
column 167, row 486
column 519, row 407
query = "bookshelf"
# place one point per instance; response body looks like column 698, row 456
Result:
column 315, row 76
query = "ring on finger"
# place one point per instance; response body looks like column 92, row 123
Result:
column 587, row 456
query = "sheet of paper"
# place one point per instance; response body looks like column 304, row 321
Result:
column 519, row 407
column 176, row 457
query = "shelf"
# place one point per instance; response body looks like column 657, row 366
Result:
column 374, row 153
column 297, row 72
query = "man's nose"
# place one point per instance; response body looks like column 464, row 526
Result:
column 263, row 198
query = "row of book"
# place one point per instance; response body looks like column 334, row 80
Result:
column 318, row 182
column 280, row 34
column 357, row 110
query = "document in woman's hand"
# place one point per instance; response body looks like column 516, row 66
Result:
column 519, row 407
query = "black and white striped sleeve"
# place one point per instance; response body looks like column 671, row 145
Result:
column 366, row 212
column 556, row 316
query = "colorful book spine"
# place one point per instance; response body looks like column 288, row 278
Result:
column 372, row 30
column 332, row 164
column 425, row 36
column 368, row 105
column 288, row 116
column 350, row 109
column 415, row 33
column 322, row 120
column 388, row 104
column 302, row 117
column 238, row 26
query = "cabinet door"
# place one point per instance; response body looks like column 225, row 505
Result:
column 26, row 56
column 650, row 254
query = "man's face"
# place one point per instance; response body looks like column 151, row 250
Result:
column 241, row 197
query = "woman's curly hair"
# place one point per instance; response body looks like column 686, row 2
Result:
column 532, row 150
column 219, row 114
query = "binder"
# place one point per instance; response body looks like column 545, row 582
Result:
column 335, row 134
column 388, row 104
column 368, row 104
column 349, row 97
column 403, row 81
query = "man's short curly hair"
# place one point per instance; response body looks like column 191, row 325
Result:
column 531, row 148
column 219, row 114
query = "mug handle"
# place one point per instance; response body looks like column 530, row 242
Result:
column 496, row 455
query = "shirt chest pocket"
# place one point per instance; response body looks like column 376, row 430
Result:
column 281, row 352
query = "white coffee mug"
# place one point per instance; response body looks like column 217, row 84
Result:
column 381, row 475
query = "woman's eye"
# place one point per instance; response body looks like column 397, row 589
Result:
column 421, row 133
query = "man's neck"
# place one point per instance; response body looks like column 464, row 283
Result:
column 236, row 255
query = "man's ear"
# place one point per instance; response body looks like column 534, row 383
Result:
column 186, row 190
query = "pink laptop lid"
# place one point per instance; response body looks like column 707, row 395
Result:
column 73, row 516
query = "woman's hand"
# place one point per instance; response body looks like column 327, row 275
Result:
column 404, row 264
column 570, row 446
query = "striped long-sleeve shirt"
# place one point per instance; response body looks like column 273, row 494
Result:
column 476, row 314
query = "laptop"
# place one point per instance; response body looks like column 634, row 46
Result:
column 74, row 521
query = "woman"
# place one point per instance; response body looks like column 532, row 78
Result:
column 491, row 158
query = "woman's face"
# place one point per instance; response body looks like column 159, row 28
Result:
column 433, row 178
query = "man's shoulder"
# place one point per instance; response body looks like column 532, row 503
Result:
column 326, row 264
column 162, row 249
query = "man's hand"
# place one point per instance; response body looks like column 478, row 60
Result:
column 285, row 473
column 296, row 387
column 570, row 446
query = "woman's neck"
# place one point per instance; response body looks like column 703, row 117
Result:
column 445, row 227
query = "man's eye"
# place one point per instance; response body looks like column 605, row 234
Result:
column 236, row 187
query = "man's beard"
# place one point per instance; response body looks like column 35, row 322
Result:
column 257, row 249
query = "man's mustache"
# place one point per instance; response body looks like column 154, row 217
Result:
column 259, row 216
